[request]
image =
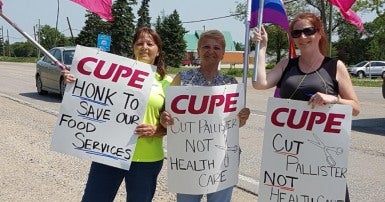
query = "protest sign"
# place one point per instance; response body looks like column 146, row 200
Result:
column 305, row 152
column 203, row 144
column 102, row 108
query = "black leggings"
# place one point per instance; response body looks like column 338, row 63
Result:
column 347, row 199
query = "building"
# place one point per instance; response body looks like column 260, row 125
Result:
column 231, row 56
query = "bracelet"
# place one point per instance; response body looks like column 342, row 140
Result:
column 337, row 101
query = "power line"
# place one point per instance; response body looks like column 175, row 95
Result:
column 209, row 19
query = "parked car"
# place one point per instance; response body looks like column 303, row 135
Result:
column 196, row 62
column 368, row 68
column 383, row 87
column 48, row 77
column 186, row 62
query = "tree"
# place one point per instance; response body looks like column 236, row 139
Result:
column 350, row 47
column 158, row 23
column 23, row 49
column 278, row 42
column 278, row 39
column 50, row 37
column 371, row 5
column 144, row 14
column 330, row 17
column 172, row 32
column 94, row 25
column 122, row 28
column 239, row 46
column 376, row 29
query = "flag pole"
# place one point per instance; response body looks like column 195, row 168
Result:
column 259, row 25
column 246, row 51
column 57, row 62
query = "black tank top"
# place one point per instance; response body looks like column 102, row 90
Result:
column 297, row 85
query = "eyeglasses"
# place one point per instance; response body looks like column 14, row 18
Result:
column 307, row 31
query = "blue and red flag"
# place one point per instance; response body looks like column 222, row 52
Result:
column 273, row 12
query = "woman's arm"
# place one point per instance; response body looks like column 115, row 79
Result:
column 266, row 80
column 347, row 95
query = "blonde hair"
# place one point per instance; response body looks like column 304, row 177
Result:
column 212, row 34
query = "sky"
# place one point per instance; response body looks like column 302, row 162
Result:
column 28, row 13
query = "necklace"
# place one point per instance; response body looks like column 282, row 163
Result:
column 303, row 78
column 310, row 68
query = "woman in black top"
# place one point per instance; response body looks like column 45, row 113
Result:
column 305, row 77
column 312, row 76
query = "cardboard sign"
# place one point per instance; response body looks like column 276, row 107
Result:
column 305, row 152
column 102, row 108
column 203, row 144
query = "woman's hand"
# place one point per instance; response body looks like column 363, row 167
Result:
column 166, row 119
column 320, row 99
column 243, row 115
column 68, row 77
column 260, row 36
column 145, row 130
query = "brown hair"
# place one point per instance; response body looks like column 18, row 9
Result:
column 159, row 60
column 317, row 23
column 212, row 34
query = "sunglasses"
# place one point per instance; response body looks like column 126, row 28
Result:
column 307, row 31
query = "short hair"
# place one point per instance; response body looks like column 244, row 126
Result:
column 317, row 23
column 213, row 34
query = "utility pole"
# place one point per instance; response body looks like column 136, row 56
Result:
column 2, row 39
column 9, row 45
column 330, row 29
column 72, row 35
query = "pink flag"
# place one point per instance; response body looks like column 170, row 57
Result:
column 348, row 14
column 100, row 7
column 345, row 5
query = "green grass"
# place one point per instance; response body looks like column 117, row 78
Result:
column 377, row 82
column 238, row 72
column 18, row 59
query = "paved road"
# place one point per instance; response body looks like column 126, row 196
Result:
column 27, row 120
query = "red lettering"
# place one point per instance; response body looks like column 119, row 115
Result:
column 231, row 100
column 333, row 122
column 136, row 77
column 82, row 63
column 174, row 104
column 203, row 107
column 112, row 71
column 207, row 104
column 216, row 100
column 108, row 74
column 302, row 121
column 122, row 71
column 274, row 116
column 307, row 119
column 315, row 117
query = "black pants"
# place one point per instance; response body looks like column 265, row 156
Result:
column 347, row 199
